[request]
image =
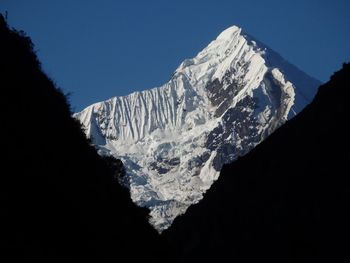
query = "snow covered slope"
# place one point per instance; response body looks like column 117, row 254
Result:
column 174, row 139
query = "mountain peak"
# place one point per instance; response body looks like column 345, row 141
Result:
column 229, row 33
column 173, row 140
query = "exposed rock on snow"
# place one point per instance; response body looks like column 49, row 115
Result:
column 217, row 106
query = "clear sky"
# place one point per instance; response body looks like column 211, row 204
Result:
column 104, row 48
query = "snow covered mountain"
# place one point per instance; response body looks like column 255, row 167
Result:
column 174, row 139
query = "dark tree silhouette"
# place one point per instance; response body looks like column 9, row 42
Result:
column 59, row 199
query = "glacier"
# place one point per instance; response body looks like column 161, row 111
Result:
column 217, row 106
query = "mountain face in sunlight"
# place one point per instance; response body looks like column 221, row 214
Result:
column 174, row 139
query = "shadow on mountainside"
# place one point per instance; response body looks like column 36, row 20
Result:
column 59, row 199
column 285, row 201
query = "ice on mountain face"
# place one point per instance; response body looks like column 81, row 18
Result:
column 173, row 140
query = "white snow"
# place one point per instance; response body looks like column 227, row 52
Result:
column 161, row 134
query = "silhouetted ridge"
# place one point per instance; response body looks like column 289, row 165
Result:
column 287, row 200
column 59, row 200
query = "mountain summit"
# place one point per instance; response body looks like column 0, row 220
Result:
column 174, row 139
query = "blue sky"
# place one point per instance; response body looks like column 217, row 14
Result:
column 104, row 48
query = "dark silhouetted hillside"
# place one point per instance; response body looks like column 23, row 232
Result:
column 287, row 200
column 59, row 199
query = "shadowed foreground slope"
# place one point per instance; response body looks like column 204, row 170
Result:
column 59, row 201
column 287, row 200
